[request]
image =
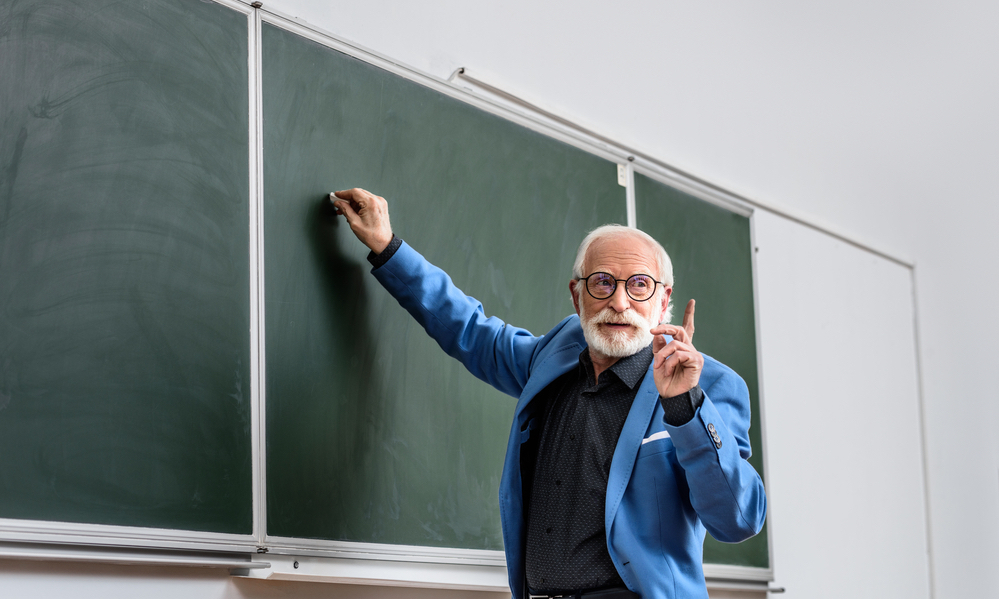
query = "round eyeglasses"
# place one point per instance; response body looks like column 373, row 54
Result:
column 601, row 285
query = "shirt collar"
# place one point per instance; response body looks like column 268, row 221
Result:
column 630, row 370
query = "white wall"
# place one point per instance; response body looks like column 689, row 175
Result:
column 842, row 417
column 873, row 118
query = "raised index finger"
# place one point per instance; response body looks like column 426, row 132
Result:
column 688, row 319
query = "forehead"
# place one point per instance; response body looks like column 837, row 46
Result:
column 620, row 255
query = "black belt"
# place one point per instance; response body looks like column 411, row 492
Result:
column 614, row 593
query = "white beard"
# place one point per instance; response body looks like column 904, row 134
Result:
column 615, row 344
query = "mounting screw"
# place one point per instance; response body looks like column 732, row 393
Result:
column 257, row 4
column 296, row 564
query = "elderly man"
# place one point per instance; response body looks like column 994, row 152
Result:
column 627, row 443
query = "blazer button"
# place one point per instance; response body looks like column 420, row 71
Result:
column 718, row 443
column 711, row 428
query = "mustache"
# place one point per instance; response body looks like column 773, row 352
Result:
column 609, row 316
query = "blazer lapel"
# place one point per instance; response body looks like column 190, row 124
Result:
column 628, row 445
column 553, row 366
column 549, row 368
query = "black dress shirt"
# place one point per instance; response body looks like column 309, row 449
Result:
column 566, row 538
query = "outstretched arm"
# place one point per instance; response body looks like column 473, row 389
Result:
column 489, row 348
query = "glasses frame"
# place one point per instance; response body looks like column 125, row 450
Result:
column 586, row 284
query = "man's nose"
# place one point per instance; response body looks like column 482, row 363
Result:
column 620, row 301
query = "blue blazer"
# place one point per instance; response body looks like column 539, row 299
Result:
column 667, row 484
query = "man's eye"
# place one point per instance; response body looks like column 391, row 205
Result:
column 640, row 283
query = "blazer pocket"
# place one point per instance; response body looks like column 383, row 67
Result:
column 655, row 446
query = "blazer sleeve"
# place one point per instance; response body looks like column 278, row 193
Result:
column 490, row 349
column 713, row 448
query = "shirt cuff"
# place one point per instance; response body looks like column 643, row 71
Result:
column 377, row 260
column 680, row 410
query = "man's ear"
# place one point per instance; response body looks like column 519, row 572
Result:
column 575, row 297
column 665, row 303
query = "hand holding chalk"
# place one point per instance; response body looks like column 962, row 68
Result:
column 367, row 215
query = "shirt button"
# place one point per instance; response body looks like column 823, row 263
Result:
column 548, row 530
column 558, row 483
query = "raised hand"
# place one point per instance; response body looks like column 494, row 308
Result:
column 367, row 215
column 676, row 366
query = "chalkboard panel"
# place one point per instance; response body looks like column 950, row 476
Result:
column 712, row 262
column 124, row 269
column 373, row 433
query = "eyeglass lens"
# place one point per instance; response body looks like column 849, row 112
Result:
column 602, row 285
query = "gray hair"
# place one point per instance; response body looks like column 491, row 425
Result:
column 665, row 265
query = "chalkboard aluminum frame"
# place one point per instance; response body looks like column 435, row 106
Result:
column 373, row 553
column 16, row 532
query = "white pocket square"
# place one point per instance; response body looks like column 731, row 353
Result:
column 653, row 437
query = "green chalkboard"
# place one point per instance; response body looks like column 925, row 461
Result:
column 124, row 264
column 124, row 280
column 711, row 250
column 373, row 433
